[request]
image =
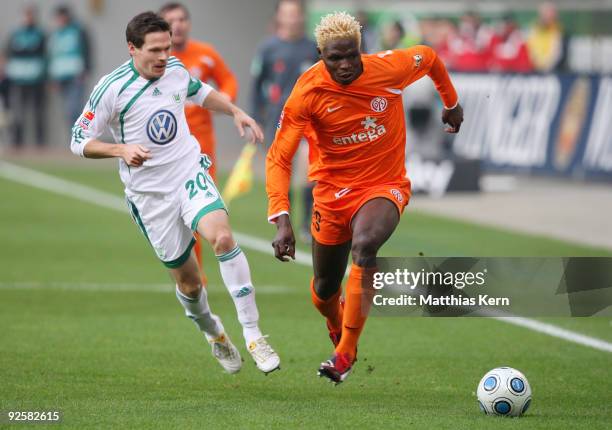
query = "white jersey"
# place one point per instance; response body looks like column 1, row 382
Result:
column 147, row 112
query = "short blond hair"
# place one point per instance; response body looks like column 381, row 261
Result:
column 337, row 25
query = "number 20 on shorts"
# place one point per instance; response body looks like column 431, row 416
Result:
column 201, row 182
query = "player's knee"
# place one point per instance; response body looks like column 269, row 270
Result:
column 223, row 241
column 189, row 283
column 364, row 249
column 189, row 287
column 325, row 287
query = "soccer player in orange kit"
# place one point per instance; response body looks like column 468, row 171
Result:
column 203, row 62
column 353, row 103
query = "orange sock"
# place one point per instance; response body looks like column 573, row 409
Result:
column 198, row 251
column 358, row 299
column 329, row 308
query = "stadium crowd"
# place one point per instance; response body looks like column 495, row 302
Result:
column 472, row 45
column 36, row 61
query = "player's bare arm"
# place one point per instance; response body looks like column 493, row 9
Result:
column 284, row 242
column 133, row 154
column 453, row 117
column 218, row 102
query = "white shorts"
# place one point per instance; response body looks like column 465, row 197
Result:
column 168, row 220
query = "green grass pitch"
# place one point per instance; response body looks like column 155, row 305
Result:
column 90, row 326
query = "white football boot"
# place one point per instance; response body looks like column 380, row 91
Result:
column 224, row 350
column 264, row 356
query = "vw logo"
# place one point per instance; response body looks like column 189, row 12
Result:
column 378, row 104
column 161, row 127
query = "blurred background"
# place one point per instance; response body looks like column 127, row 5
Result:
column 534, row 78
column 234, row 35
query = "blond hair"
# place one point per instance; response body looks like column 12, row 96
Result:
column 337, row 25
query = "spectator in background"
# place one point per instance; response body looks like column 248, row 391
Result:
column 545, row 41
column 393, row 34
column 436, row 33
column 278, row 63
column 69, row 61
column 469, row 49
column 4, row 95
column 25, row 70
column 401, row 34
column 509, row 51
column 4, row 87
column 369, row 38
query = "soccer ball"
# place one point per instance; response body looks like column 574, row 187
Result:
column 504, row 391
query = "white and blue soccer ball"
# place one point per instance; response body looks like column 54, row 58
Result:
column 504, row 391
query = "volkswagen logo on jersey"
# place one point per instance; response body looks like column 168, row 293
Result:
column 162, row 127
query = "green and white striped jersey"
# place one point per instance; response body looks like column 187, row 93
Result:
column 147, row 112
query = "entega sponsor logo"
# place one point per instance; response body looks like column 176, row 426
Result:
column 370, row 132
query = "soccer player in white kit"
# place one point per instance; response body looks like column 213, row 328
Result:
column 167, row 186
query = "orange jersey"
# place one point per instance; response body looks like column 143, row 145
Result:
column 360, row 128
column 204, row 62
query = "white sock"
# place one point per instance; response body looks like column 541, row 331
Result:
column 198, row 311
column 237, row 278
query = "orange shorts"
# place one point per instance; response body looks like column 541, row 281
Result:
column 334, row 208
